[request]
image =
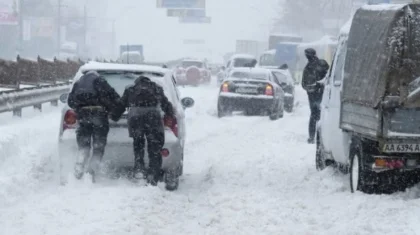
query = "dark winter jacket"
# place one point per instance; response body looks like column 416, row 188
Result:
column 93, row 90
column 314, row 71
column 144, row 93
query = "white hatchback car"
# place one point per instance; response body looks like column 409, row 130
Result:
column 119, row 151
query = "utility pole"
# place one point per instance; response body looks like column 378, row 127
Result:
column 20, row 12
column 113, row 38
column 85, row 19
column 59, row 27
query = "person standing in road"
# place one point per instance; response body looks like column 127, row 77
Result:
column 145, row 123
column 313, row 73
column 92, row 98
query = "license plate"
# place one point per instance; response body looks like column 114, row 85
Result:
column 401, row 148
column 246, row 90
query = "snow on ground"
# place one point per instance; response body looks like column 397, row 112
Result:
column 243, row 175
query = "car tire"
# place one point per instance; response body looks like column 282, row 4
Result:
column 360, row 178
column 277, row 114
column 221, row 112
column 320, row 161
column 289, row 107
column 171, row 179
column 181, row 167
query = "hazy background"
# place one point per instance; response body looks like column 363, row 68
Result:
column 162, row 36
column 100, row 26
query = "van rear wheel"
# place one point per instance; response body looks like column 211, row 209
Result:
column 361, row 179
column 320, row 161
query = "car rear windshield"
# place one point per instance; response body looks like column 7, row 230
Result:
column 119, row 80
column 248, row 75
column 281, row 77
column 244, row 62
column 186, row 64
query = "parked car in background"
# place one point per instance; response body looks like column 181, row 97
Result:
column 237, row 61
column 192, row 72
column 284, row 78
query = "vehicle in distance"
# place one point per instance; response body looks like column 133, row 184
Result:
column 252, row 90
column 192, row 72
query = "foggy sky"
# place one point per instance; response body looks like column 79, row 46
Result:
column 141, row 22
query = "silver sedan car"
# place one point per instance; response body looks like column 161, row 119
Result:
column 119, row 153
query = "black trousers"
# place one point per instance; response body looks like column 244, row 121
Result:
column 92, row 134
column 146, row 124
column 315, row 107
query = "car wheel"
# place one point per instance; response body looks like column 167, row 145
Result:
column 360, row 178
column 281, row 112
column 222, row 111
column 172, row 179
column 276, row 114
column 356, row 181
column 320, row 162
column 289, row 106
column 181, row 167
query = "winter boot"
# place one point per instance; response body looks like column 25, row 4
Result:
column 78, row 170
column 311, row 140
column 153, row 177
column 140, row 172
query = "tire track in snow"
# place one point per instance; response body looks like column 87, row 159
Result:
column 256, row 177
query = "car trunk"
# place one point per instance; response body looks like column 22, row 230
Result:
column 248, row 86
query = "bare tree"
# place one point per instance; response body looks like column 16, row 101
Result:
column 309, row 15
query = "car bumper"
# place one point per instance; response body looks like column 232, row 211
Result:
column 241, row 102
column 119, row 149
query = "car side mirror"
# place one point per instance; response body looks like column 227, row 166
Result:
column 64, row 97
column 187, row 102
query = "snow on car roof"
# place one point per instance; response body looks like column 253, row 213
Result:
column 247, row 56
column 123, row 67
column 324, row 40
column 270, row 52
column 250, row 70
column 192, row 60
column 285, row 35
column 345, row 30
column 383, row 7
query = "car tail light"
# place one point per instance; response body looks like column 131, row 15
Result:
column 164, row 152
column 225, row 87
column 389, row 163
column 70, row 119
column 269, row 90
column 172, row 124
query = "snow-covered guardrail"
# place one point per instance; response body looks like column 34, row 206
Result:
column 15, row 100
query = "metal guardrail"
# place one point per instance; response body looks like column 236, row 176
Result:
column 15, row 100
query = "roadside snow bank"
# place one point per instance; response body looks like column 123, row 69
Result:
column 26, row 147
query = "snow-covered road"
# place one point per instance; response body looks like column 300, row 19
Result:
column 243, row 175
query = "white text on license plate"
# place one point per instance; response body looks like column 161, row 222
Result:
column 402, row 148
column 246, row 90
